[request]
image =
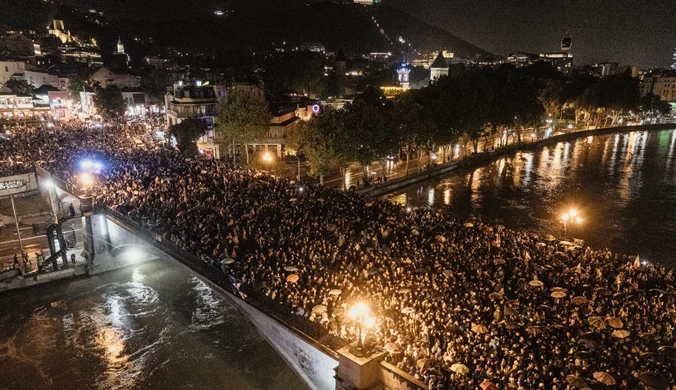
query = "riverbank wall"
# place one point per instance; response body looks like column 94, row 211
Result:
column 480, row 159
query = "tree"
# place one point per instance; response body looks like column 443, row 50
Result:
column 319, row 141
column 19, row 87
column 186, row 133
column 243, row 117
column 651, row 105
column 154, row 84
column 76, row 85
column 109, row 102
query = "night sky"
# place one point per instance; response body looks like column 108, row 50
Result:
column 635, row 32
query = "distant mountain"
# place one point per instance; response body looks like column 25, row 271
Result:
column 260, row 25
column 350, row 27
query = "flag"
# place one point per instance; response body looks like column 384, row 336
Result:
column 637, row 262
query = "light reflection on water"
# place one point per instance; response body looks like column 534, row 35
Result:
column 623, row 184
column 152, row 327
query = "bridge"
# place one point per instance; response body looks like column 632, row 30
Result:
column 113, row 240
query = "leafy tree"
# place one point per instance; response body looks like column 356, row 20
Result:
column 186, row 133
column 109, row 102
column 367, row 133
column 652, row 105
column 318, row 141
column 154, row 84
column 243, row 118
column 19, row 87
column 77, row 84
column 301, row 71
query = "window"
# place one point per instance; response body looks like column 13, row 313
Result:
column 6, row 68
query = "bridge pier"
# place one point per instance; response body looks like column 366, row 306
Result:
column 357, row 373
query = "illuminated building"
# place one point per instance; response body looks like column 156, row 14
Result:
column 439, row 67
column 403, row 74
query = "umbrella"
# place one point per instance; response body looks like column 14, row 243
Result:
column 591, row 336
column 603, row 291
column 604, row 378
column 597, row 322
column 469, row 224
column 320, row 200
column 293, row 278
column 511, row 325
column 549, row 237
column 540, row 244
column 495, row 295
column 499, row 261
column 447, row 272
column 228, row 261
column 392, row 348
column 478, row 328
column 577, row 382
column 533, row 330
column 460, row 368
column 335, row 291
column 653, row 357
column 289, row 268
column 404, row 290
column 368, row 204
column 557, row 289
column 415, row 232
column 292, row 200
column 559, row 294
column 511, row 311
column 668, row 351
column 440, row 238
column 319, row 309
column 587, row 343
column 408, row 310
column 579, row 300
column 620, row 334
column 536, row 283
column 422, row 363
column 615, row 322
column 486, row 385
column 653, row 380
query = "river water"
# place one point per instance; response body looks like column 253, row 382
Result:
column 623, row 186
column 154, row 326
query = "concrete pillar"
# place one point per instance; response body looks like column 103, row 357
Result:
column 355, row 373
column 88, row 238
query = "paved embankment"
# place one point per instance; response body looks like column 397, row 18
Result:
column 484, row 158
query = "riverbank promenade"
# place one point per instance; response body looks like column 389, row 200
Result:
column 439, row 302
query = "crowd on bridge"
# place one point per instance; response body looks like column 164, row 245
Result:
column 459, row 304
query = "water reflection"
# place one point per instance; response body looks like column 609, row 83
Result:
column 152, row 327
column 624, row 184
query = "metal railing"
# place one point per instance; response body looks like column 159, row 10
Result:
column 257, row 299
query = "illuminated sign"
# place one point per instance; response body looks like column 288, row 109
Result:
column 316, row 108
column 11, row 184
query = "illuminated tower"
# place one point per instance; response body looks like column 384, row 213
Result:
column 566, row 42
column 673, row 66
column 120, row 46
column 403, row 73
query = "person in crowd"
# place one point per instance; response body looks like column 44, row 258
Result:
column 456, row 302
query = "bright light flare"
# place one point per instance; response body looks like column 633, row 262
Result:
column 360, row 311
column 86, row 179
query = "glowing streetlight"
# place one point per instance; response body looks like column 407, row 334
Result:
column 572, row 217
column 267, row 157
column 361, row 313
column 86, row 179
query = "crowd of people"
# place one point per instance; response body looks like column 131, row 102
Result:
column 458, row 304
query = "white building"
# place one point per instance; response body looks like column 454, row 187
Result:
column 9, row 68
column 37, row 79
column 439, row 67
column 105, row 77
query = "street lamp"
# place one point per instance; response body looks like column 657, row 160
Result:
column 570, row 217
column 267, row 157
column 361, row 313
